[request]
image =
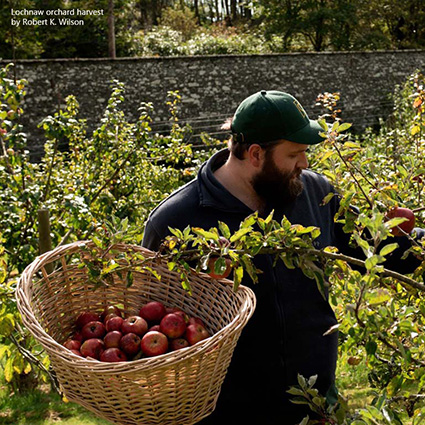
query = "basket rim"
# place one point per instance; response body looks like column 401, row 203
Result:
column 50, row 344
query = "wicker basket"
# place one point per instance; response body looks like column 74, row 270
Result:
column 180, row 387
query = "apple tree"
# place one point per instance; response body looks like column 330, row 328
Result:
column 380, row 312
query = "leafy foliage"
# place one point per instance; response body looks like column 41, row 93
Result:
column 167, row 40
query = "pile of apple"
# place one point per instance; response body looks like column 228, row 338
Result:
column 109, row 337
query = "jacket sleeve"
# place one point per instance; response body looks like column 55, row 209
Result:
column 151, row 238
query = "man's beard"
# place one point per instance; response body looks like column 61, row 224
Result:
column 277, row 188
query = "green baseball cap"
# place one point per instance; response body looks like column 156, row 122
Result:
column 272, row 115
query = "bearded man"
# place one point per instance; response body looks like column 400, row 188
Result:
column 265, row 169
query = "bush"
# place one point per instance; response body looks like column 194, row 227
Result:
column 217, row 40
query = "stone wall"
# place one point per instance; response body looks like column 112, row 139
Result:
column 212, row 86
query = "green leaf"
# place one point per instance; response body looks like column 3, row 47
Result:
column 371, row 262
column 176, row 232
column 344, row 126
column 111, row 267
column 186, row 232
column 371, row 347
column 237, row 277
column 18, row 363
column 224, row 229
column 153, row 272
column 378, row 296
column 312, row 380
column 305, row 421
column 205, row 234
column 302, row 382
column 249, row 221
column 8, row 369
column 402, row 170
column 415, row 130
column 130, row 279
column 288, row 261
column 367, row 249
column 249, row 267
column 220, row 266
column 396, row 221
column 326, row 155
column 7, row 324
column 295, row 391
column 4, row 350
column 387, row 249
column 27, row 368
column 240, row 233
column 327, row 198
column 323, row 124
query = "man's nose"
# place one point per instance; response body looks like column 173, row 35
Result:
column 303, row 161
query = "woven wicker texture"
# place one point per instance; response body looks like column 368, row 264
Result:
column 180, row 387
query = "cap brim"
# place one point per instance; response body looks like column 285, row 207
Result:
column 308, row 135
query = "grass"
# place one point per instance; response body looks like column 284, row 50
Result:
column 42, row 407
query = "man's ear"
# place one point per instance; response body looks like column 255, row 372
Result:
column 256, row 155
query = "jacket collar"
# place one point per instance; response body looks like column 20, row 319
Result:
column 212, row 193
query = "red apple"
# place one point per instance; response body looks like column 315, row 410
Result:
column 93, row 330
column 77, row 336
column 114, row 323
column 154, row 343
column 178, row 343
column 224, row 273
column 155, row 328
column 353, row 361
column 419, row 178
column 109, row 316
column 92, row 348
column 178, row 311
column 134, row 324
column 72, row 344
column 77, row 353
column 153, row 311
column 110, row 309
column 113, row 355
column 173, row 325
column 112, row 339
column 196, row 333
column 169, row 310
column 407, row 225
column 196, row 320
column 86, row 317
column 130, row 344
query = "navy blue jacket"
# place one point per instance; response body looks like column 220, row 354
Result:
column 285, row 335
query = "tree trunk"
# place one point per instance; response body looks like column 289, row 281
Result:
column 226, row 8
column 111, row 29
column 233, row 10
column 217, row 11
column 197, row 16
column 144, row 14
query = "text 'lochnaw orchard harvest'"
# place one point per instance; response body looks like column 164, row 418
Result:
column 51, row 17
